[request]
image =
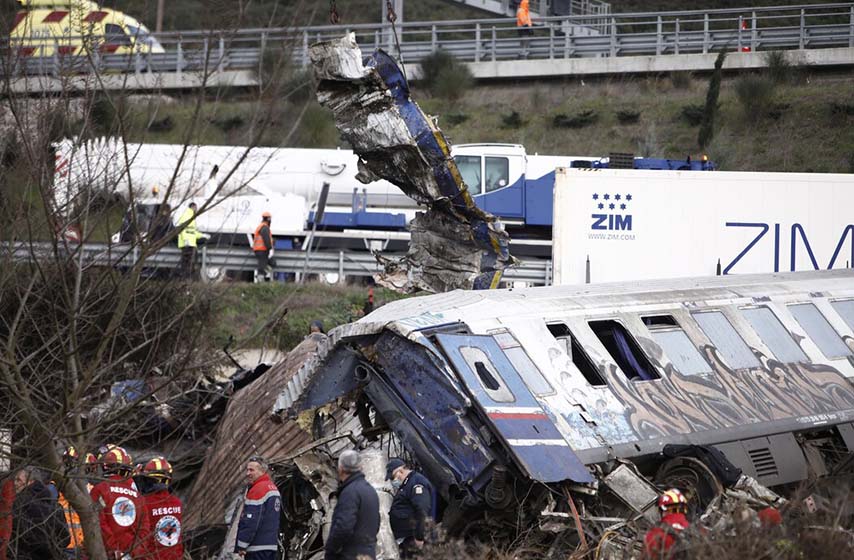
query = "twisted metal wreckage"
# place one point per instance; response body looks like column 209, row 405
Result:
column 554, row 412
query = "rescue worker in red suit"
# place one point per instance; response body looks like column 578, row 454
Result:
column 258, row 528
column 659, row 541
column 117, row 497
column 163, row 511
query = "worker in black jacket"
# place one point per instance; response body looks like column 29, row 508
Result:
column 39, row 531
column 411, row 508
column 356, row 519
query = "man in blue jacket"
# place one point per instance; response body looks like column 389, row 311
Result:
column 356, row 519
column 258, row 529
column 412, row 506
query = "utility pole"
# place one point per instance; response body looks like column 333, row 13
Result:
column 160, row 7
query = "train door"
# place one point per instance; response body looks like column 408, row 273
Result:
column 515, row 415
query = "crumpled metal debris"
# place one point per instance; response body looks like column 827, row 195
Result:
column 454, row 244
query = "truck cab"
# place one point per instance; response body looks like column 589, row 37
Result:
column 495, row 177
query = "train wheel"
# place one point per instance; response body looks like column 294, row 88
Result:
column 693, row 478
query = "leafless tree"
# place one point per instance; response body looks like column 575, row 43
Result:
column 77, row 334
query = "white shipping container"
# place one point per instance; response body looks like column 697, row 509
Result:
column 636, row 225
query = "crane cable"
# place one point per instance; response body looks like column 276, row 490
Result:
column 391, row 16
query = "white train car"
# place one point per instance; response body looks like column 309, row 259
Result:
column 620, row 225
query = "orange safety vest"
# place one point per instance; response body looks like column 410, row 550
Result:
column 73, row 522
column 523, row 15
column 258, row 243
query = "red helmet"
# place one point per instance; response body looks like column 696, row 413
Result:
column 91, row 463
column 158, row 468
column 116, row 458
column 672, row 501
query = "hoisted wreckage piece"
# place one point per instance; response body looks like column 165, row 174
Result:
column 454, row 244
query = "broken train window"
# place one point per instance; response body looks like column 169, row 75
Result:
column 729, row 344
column 487, row 375
column 684, row 356
column 775, row 336
column 574, row 350
column 522, row 363
column 624, row 350
column 820, row 330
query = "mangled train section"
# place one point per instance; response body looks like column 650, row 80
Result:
column 499, row 410
column 454, row 244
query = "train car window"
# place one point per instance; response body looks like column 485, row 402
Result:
column 497, row 173
column 845, row 308
column 469, row 167
column 735, row 352
column 676, row 345
column 625, row 350
column 774, row 335
column 819, row 330
column 522, row 363
column 486, row 373
column 579, row 357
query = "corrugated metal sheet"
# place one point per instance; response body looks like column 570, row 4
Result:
column 248, row 428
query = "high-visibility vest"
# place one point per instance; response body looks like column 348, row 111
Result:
column 523, row 15
column 258, row 241
column 189, row 235
column 73, row 522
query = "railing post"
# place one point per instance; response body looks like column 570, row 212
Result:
column 851, row 29
column 551, row 41
column 754, row 32
column 676, row 38
column 477, row 42
column 179, row 60
column 493, row 43
column 659, row 40
column 221, row 63
column 802, row 31
column 204, row 268
column 340, row 267
column 55, row 58
column 567, row 41
column 613, row 36
column 740, row 25
column 261, row 52
column 304, row 49
column 705, row 33
column 433, row 38
column 376, row 39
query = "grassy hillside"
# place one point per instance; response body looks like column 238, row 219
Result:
column 803, row 125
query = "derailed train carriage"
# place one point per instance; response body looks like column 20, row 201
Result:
column 523, row 403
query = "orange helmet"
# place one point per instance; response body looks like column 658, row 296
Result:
column 116, row 459
column 158, row 468
column 672, row 501
column 91, row 463
column 266, row 214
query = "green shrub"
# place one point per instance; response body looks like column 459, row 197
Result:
column 779, row 68
column 161, row 125
column 317, row 128
column 512, row 120
column 681, row 80
column 453, row 119
column 445, row 76
column 228, row 123
column 693, row 114
column 843, row 109
column 627, row 116
column 580, row 120
column 755, row 93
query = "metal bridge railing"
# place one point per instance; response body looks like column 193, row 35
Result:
column 608, row 35
column 214, row 261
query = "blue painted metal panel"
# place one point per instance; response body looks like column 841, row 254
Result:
column 508, row 202
column 539, row 200
column 367, row 220
column 521, row 423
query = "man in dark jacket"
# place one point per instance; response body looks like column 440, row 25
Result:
column 258, row 529
column 39, row 531
column 411, row 507
column 356, row 519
